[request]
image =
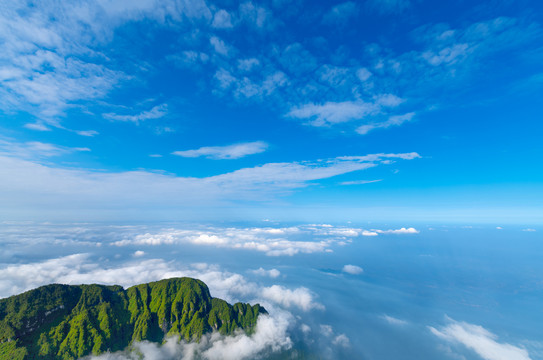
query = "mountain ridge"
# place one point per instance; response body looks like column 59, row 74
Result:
column 71, row 321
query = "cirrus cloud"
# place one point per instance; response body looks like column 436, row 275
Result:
column 235, row 151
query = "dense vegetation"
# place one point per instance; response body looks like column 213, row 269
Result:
column 68, row 322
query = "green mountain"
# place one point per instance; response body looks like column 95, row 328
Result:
column 68, row 322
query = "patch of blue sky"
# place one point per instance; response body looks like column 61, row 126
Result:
column 139, row 84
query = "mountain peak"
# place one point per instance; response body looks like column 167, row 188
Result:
column 71, row 321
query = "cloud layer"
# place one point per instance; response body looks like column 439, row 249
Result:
column 29, row 184
column 480, row 340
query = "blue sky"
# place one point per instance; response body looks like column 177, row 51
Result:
column 377, row 110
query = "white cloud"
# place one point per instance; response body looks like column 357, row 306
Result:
column 139, row 253
column 253, row 87
column 255, row 15
column 270, row 336
column 359, row 182
column 81, row 269
column 480, row 340
column 219, row 46
column 337, row 231
column 529, row 230
column 36, row 149
column 222, row 20
column 271, row 331
column 339, row 340
column 394, row 321
column 326, row 330
column 155, row 113
column 342, row 340
column 44, row 47
column 234, row 151
column 248, row 64
column 89, row 133
column 333, row 75
column 447, row 56
column 369, row 233
column 352, row 269
column 363, row 74
column 273, row 273
column 300, row 297
column 270, row 241
column 189, row 59
column 37, row 126
column 225, row 78
column 396, row 120
column 399, row 231
column 331, row 113
column 389, row 100
column 381, row 156
column 35, row 187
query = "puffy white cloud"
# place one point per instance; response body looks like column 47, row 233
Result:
column 139, row 253
column 301, row 297
column 271, row 335
column 234, row 151
column 341, row 340
column 352, row 269
column 273, row 273
column 480, row 340
column 248, row 64
column 399, row 231
column 222, row 20
column 81, row 269
column 272, row 241
column 272, row 332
